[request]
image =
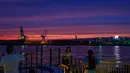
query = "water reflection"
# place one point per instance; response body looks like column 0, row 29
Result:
column 117, row 54
column 22, row 49
column 23, row 46
column 100, row 53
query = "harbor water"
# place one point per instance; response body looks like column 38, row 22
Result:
column 118, row 53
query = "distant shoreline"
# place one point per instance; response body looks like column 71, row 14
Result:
column 61, row 43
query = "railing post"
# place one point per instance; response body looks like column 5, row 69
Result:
column 79, row 66
column 20, row 69
column 41, row 56
column 122, row 70
column 59, row 58
column 128, row 68
column 50, row 57
column 26, row 64
column 105, row 69
column 36, row 57
column 31, row 60
column 75, row 64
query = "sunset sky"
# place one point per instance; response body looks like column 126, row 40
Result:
column 64, row 18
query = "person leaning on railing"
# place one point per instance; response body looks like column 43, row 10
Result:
column 89, row 63
column 10, row 61
column 67, row 59
column 1, row 68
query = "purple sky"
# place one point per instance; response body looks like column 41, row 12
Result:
column 65, row 17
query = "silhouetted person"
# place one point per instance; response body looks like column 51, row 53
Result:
column 1, row 68
column 32, row 71
column 10, row 61
column 90, row 62
column 67, row 57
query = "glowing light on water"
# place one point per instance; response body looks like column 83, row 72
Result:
column 117, row 54
column 116, row 47
column 23, row 46
column 100, row 52
column 44, row 46
column 100, row 46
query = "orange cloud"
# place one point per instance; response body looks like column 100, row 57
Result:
column 67, row 32
column 38, row 37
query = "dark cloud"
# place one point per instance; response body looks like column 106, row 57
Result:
column 48, row 7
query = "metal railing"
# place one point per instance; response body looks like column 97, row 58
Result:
column 111, row 67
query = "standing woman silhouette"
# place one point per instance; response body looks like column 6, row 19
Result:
column 89, row 63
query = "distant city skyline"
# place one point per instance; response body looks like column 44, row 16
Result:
column 64, row 18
